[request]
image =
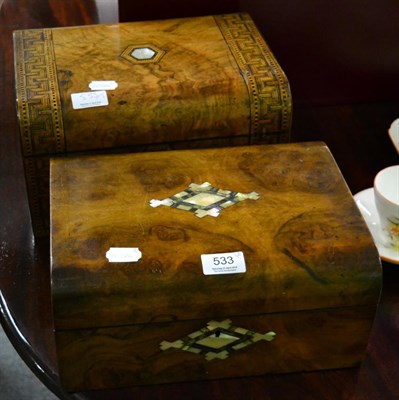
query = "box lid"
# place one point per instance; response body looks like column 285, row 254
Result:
column 285, row 207
column 177, row 80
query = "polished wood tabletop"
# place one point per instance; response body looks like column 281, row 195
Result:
column 356, row 133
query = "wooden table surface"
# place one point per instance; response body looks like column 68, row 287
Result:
column 357, row 136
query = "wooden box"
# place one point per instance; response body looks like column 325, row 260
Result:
column 179, row 83
column 204, row 264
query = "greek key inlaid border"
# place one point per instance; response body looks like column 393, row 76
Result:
column 268, row 87
column 39, row 104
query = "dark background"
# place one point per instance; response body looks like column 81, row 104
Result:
column 333, row 52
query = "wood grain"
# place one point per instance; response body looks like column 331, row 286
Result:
column 201, row 83
column 302, row 250
column 131, row 355
column 356, row 134
column 212, row 81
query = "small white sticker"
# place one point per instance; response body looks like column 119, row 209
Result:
column 223, row 263
column 123, row 254
column 89, row 99
column 103, row 85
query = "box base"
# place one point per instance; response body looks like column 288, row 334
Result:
column 132, row 355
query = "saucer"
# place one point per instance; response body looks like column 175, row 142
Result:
column 365, row 202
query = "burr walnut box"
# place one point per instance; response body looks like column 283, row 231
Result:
column 179, row 83
column 207, row 263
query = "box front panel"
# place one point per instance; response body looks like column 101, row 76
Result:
column 184, row 351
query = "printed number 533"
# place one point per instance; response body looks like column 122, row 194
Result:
column 223, row 260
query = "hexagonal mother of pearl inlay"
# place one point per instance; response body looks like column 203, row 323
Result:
column 143, row 53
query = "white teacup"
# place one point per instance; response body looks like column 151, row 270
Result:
column 386, row 194
column 394, row 133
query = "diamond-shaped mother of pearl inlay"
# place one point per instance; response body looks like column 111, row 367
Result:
column 218, row 340
column 204, row 199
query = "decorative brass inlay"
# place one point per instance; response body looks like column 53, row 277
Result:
column 204, row 199
column 217, row 340
column 143, row 53
column 39, row 104
column 267, row 85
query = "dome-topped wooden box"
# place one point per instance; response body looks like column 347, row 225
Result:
column 202, row 264
column 179, row 83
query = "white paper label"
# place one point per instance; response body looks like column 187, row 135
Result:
column 89, row 99
column 103, row 85
column 223, row 263
column 123, row 254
